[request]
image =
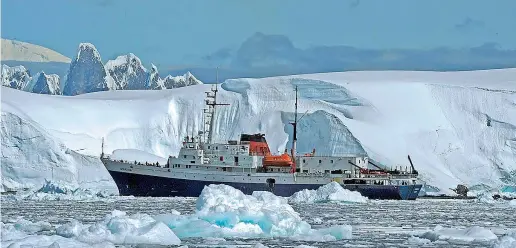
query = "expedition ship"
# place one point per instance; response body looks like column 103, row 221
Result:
column 247, row 164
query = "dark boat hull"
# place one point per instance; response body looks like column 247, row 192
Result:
column 145, row 185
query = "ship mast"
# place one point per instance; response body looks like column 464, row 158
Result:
column 294, row 140
column 210, row 112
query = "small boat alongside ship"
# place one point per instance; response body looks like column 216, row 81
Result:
column 247, row 164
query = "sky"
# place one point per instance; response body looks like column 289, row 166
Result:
column 171, row 31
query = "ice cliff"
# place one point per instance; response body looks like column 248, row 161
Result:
column 458, row 127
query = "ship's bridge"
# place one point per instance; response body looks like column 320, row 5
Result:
column 343, row 164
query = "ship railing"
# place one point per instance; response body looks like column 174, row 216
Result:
column 156, row 164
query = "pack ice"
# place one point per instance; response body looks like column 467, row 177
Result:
column 458, row 127
column 221, row 211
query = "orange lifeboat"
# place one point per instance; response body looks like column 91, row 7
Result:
column 283, row 160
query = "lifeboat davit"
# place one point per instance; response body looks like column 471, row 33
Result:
column 278, row 160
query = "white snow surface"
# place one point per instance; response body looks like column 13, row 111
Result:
column 329, row 192
column 23, row 51
column 458, row 127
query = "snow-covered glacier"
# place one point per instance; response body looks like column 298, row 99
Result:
column 458, row 127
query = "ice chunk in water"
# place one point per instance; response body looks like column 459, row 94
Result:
column 329, row 192
column 506, row 241
column 223, row 211
column 30, row 227
column 120, row 228
column 470, row 234
column 226, row 206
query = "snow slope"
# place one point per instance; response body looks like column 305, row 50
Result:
column 458, row 127
column 23, row 51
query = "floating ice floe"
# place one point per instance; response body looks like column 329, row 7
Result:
column 24, row 234
column 329, row 192
column 418, row 241
column 470, row 234
column 120, row 228
column 52, row 191
column 260, row 245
